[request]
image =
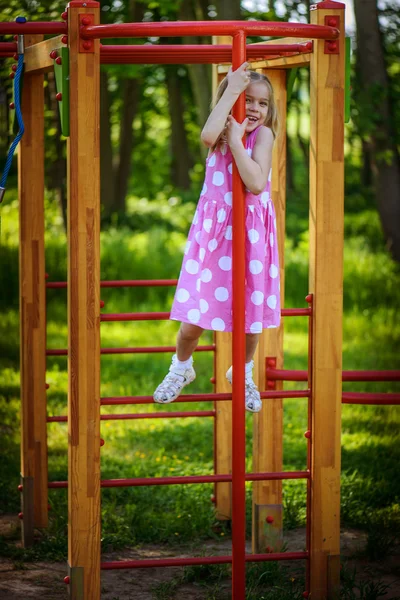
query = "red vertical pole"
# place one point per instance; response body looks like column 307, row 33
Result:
column 238, row 354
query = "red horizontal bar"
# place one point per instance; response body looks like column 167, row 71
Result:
column 155, row 316
column 203, row 560
column 200, row 53
column 139, row 350
column 190, row 479
column 34, row 27
column 122, row 400
column 8, row 47
column 371, row 398
column 207, row 28
column 292, row 375
column 155, row 415
column 6, row 54
column 122, row 283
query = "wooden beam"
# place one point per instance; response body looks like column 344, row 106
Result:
column 280, row 62
column 37, row 57
column 83, row 239
column 223, row 360
column 32, row 305
column 327, row 75
column 268, row 424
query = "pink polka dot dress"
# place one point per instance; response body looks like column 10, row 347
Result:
column 204, row 292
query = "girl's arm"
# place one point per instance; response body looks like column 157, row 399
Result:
column 237, row 83
column 253, row 170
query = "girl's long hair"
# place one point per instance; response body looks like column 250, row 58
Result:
column 271, row 121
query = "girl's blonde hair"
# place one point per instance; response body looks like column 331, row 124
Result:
column 271, row 120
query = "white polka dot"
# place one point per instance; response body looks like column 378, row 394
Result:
column 271, row 209
column 212, row 245
column 228, row 198
column 275, row 224
column 218, row 324
column 203, row 306
column 271, row 301
column 207, row 225
column 271, row 239
column 204, row 189
column 256, row 327
column 225, row 263
column 218, row 178
column 264, row 199
column 197, row 237
column 273, row 271
column 257, row 298
column 212, row 160
column 205, row 206
column 194, row 315
column 188, row 244
column 221, row 294
column 253, row 235
column 255, row 266
column 272, row 326
column 228, row 233
column 192, row 266
column 270, row 175
column 196, row 217
column 230, row 168
column 249, row 151
column 198, row 285
column 206, row 275
column 224, row 149
column 251, row 208
column 182, row 295
column 202, row 254
column 221, row 214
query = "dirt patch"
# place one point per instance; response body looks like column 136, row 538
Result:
column 45, row 580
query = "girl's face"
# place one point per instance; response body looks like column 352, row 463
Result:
column 257, row 99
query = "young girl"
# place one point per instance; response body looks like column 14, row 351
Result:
column 203, row 298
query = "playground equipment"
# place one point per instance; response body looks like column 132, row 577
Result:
column 321, row 45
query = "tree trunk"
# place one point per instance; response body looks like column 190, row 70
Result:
column 107, row 181
column 181, row 163
column 374, row 100
column 130, row 99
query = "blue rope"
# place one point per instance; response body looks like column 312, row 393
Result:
column 18, row 112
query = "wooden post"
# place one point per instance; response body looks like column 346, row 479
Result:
column 268, row 424
column 32, row 307
column 84, row 309
column 326, row 283
column 223, row 360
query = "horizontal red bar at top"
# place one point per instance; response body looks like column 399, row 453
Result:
column 34, row 27
column 122, row 283
column 190, row 479
column 139, row 350
column 155, row 316
column 155, row 415
column 6, row 54
column 203, row 560
column 208, row 28
column 371, row 398
column 292, row 375
column 123, row 400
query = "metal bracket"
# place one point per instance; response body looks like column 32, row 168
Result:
column 86, row 46
column 27, row 509
column 270, row 363
column 61, row 73
column 75, row 587
column 332, row 46
column 268, row 528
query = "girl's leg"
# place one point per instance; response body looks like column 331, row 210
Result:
column 251, row 345
column 187, row 340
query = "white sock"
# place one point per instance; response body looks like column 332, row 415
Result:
column 183, row 364
column 249, row 367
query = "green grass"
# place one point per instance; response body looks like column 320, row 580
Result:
column 161, row 447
